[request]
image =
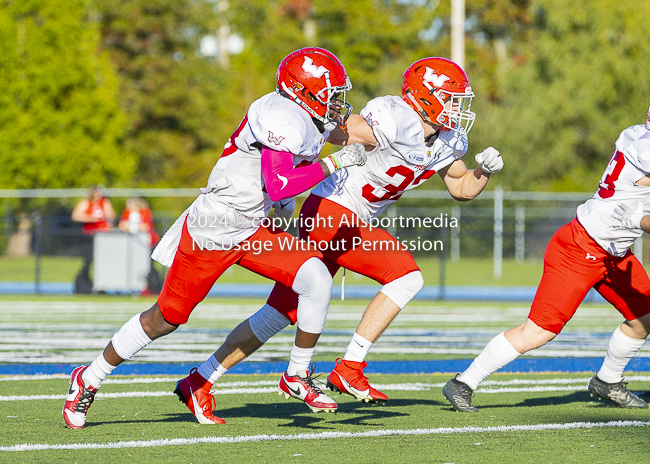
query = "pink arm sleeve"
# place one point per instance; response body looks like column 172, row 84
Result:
column 282, row 180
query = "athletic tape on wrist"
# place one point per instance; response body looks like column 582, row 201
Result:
column 332, row 163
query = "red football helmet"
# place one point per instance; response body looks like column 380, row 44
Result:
column 316, row 80
column 430, row 83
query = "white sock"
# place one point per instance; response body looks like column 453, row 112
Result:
column 299, row 360
column 97, row 371
column 620, row 351
column 357, row 349
column 211, row 370
column 494, row 356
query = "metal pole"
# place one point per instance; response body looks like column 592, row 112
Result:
column 38, row 221
column 498, row 231
column 129, row 263
column 458, row 32
column 520, row 233
column 9, row 224
column 443, row 265
column 391, row 213
column 223, row 34
column 455, row 235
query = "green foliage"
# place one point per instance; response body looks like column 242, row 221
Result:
column 578, row 82
column 167, row 91
column 117, row 92
column 60, row 123
column 376, row 41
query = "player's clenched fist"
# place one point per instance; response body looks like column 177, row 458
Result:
column 350, row 155
column 628, row 218
column 489, row 160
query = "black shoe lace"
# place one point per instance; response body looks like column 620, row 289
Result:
column 620, row 387
column 309, row 380
column 85, row 400
column 213, row 403
column 465, row 390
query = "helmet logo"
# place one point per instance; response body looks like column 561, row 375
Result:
column 316, row 71
column 276, row 140
column 436, row 79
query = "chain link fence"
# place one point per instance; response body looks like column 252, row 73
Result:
column 491, row 247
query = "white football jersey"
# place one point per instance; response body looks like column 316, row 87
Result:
column 629, row 163
column 235, row 201
column 400, row 161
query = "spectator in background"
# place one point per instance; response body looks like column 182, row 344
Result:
column 96, row 213
column 137, row 217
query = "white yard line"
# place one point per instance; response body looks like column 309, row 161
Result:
column 139, row 394
column 321, row 436
column 153, row 379
column 264, row 386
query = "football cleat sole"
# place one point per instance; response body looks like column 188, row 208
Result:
column 363, row 399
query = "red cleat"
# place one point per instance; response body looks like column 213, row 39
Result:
column 79, row 399
column 304, row 389
column 347, row 377
column 198, row 399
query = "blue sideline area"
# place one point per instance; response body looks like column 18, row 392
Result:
column 376, row 367
column 366, row 292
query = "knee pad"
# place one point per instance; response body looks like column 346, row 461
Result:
column 313, row 284
column 130, row 339
column 403, row 289
column 267, row 322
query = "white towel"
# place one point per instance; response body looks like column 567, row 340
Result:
column 166, row 249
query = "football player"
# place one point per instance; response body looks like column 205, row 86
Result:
column 408, row 139
column 593, row 251
column 273, row 155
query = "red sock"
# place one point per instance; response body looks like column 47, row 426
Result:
column 198, row 380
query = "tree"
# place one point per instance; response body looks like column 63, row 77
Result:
column 60, row 122
column 182, row 106
column 375, row 40
column 579, row 80
column 168, row 91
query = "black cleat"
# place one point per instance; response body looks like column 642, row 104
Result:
column 459, row 395
column 616, row 392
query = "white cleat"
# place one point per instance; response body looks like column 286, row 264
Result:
column 304, row 389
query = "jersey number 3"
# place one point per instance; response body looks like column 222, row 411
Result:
column 613, row 170
column 393, row 192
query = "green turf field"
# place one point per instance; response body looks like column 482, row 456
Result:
column 523, row 417
column 272, row 429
